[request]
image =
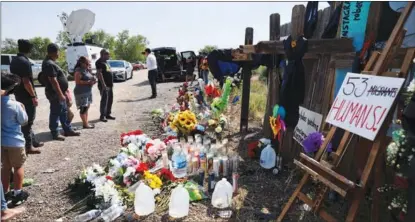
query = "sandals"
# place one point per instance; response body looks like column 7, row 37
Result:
column 89, row 127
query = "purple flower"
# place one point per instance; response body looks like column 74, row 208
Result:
column 313, row 142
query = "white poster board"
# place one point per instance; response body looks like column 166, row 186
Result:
column 363, row 103
column 309, row 122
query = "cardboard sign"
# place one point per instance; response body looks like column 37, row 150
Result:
column 363, row 103
column 309, row 122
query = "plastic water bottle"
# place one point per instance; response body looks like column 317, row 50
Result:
column 90, row 215
column 112, row 213
column 222, row 195
column 179, row 202
column 179, row 163
column 144, row 203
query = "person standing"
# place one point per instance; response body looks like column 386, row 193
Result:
column 205, row 70
column 55, row 89
column 25, row 93
column 190, row 69
column 105, row 84
column 152, row 71
column 83, row 90
column 13, row 155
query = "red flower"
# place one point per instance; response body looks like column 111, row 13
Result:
column 108, row 177
column 167, row 174
column 148, row 145
column 401, row 182
column 169, row 138
column 251, row 147
column 141, row 168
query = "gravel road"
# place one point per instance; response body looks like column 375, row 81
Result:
column 61, row 162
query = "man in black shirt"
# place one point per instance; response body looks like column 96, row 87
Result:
column 26, row 93
column 105, row 85
column 55, row 89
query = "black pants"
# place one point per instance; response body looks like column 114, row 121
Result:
column 31, row 115
column 106, row 102
column 152, row 78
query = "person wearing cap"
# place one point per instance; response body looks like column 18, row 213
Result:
column 152, row 71
column 105, row 84
column 56, row 87
column 25, row 93
column 13, row 155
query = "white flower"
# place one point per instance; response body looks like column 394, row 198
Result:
column 411, row 86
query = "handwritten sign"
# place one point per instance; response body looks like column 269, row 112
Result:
column 354, row 19
column 363, row 103
column 309, row 122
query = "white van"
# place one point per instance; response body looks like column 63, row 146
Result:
column 6, row 59
column 76, row 50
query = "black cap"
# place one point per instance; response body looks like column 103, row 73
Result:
column 147, row 51
column 53, row 48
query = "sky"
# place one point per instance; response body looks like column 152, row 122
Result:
column 184, row 25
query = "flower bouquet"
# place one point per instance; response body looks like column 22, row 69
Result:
column 184, row 122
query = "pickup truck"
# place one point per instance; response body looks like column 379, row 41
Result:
column 6, row 59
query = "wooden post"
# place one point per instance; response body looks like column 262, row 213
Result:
column 246, row 83
column 273, row 77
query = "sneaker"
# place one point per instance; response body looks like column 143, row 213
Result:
column 58, row 138
column 8, row 196
column 20, row 198
column 71, row 133
column 110, row 117
column 103, row 119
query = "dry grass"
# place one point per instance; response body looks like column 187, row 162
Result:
column 258, row 95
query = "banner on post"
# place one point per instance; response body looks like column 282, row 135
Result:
column 309, row 122
column 363, row 102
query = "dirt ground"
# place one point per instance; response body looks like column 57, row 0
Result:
column 61, row 162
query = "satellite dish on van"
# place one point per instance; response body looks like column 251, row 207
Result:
column 78, row 23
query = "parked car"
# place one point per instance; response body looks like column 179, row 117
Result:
column 174, row 62
column 139, row 66
column 6, row 59
column 121, row 69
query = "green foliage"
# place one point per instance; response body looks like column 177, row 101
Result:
column 63, row 39
column 129, row 48
column 207, row 49
column 39, row 47
column 262, row 72
column 9, row 46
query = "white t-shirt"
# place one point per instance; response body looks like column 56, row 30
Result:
column 151, row 62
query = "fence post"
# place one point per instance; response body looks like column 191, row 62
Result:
column 246, row 83
column 273, row 76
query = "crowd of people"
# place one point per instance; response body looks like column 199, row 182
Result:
column 17, row 137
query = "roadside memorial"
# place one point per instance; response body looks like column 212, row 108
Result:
column 324, row 172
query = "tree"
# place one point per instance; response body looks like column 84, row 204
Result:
column 63, row 39
column 9, row 46
column 39, row 49
column 130, row 48
column 207, row 49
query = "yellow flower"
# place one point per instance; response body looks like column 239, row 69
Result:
column 153, row 180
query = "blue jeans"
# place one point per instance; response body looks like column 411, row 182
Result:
column 3, row 199
column 58, row 112
column 205, row 75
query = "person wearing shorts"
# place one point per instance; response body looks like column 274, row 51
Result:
column 13, row 153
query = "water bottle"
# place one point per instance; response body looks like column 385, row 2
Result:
column 179, row 202
column 90, row 215
column 112, row 213
column 179, row 163
column 144, row 202
column 222, row 195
